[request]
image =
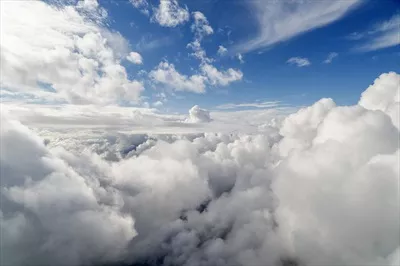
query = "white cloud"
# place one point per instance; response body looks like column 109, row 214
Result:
column 223, row 78
column 318, row 188
column 158, row 104
column 282, row 20
column 142, row 5
column 198, row 115
column 222, row 50
column 201, row 27
column 166, row 74
column 66, row 47
column 330, row 57
column 382, row 35
column 170, row 14
column 135, row 58
column 299, row 61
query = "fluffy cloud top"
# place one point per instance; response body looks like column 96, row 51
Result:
column 66, row 48
column 198, row 115
column 318, row 188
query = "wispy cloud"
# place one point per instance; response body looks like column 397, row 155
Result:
column 330, row 57
column 266, row 104
column 382, row 35
column 299, row 61
column 281, row 20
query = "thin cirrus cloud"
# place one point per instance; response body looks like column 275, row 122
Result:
column 282, row 20
column 382, row 35
column 267, row 104
column 299, row 61
column 330, row 58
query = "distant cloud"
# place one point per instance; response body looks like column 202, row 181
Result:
column 170, row 14
column 198, row 115
column 380, row 36
column 222, row 50
column 282, row 20
column 299, row 61
column 330, row 57
column 240, row 58
column 167, row 75
column 222, row 78
column 267, row 104
column 201, row 27
column 135, row 58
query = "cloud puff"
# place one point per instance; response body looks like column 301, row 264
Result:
column 198, row 115
column 170, row 14
column 166, row 74
column 135, row 58
column 68, row 49
column 222, row 50
column 282, row 20
column 318, row 188
column 299, row 61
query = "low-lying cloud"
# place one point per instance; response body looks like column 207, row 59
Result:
column 317, row 188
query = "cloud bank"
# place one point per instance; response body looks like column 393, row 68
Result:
column 319, row 187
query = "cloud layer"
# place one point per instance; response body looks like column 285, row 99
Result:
column 319, row 187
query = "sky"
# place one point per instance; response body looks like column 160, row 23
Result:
column 220, row 55
column 199, row 133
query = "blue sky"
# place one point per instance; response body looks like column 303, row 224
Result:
column 267, row 74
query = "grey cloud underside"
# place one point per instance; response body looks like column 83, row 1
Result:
column 319, row 187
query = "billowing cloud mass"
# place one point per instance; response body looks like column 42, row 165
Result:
column 282, row 20
column 65, row 53
column 298, row 61
column 198, row 115
column 319, row 187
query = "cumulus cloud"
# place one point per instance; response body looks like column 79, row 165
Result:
column 198, row 115
column 298, row 61
column 166, row 74
column 319, row 187
column 222, row 50
column 135, row 58
column 330, row 57
column 201, row 27
column 170, row 14
column 282, row 20
column 223, row 78
column 68, row 48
